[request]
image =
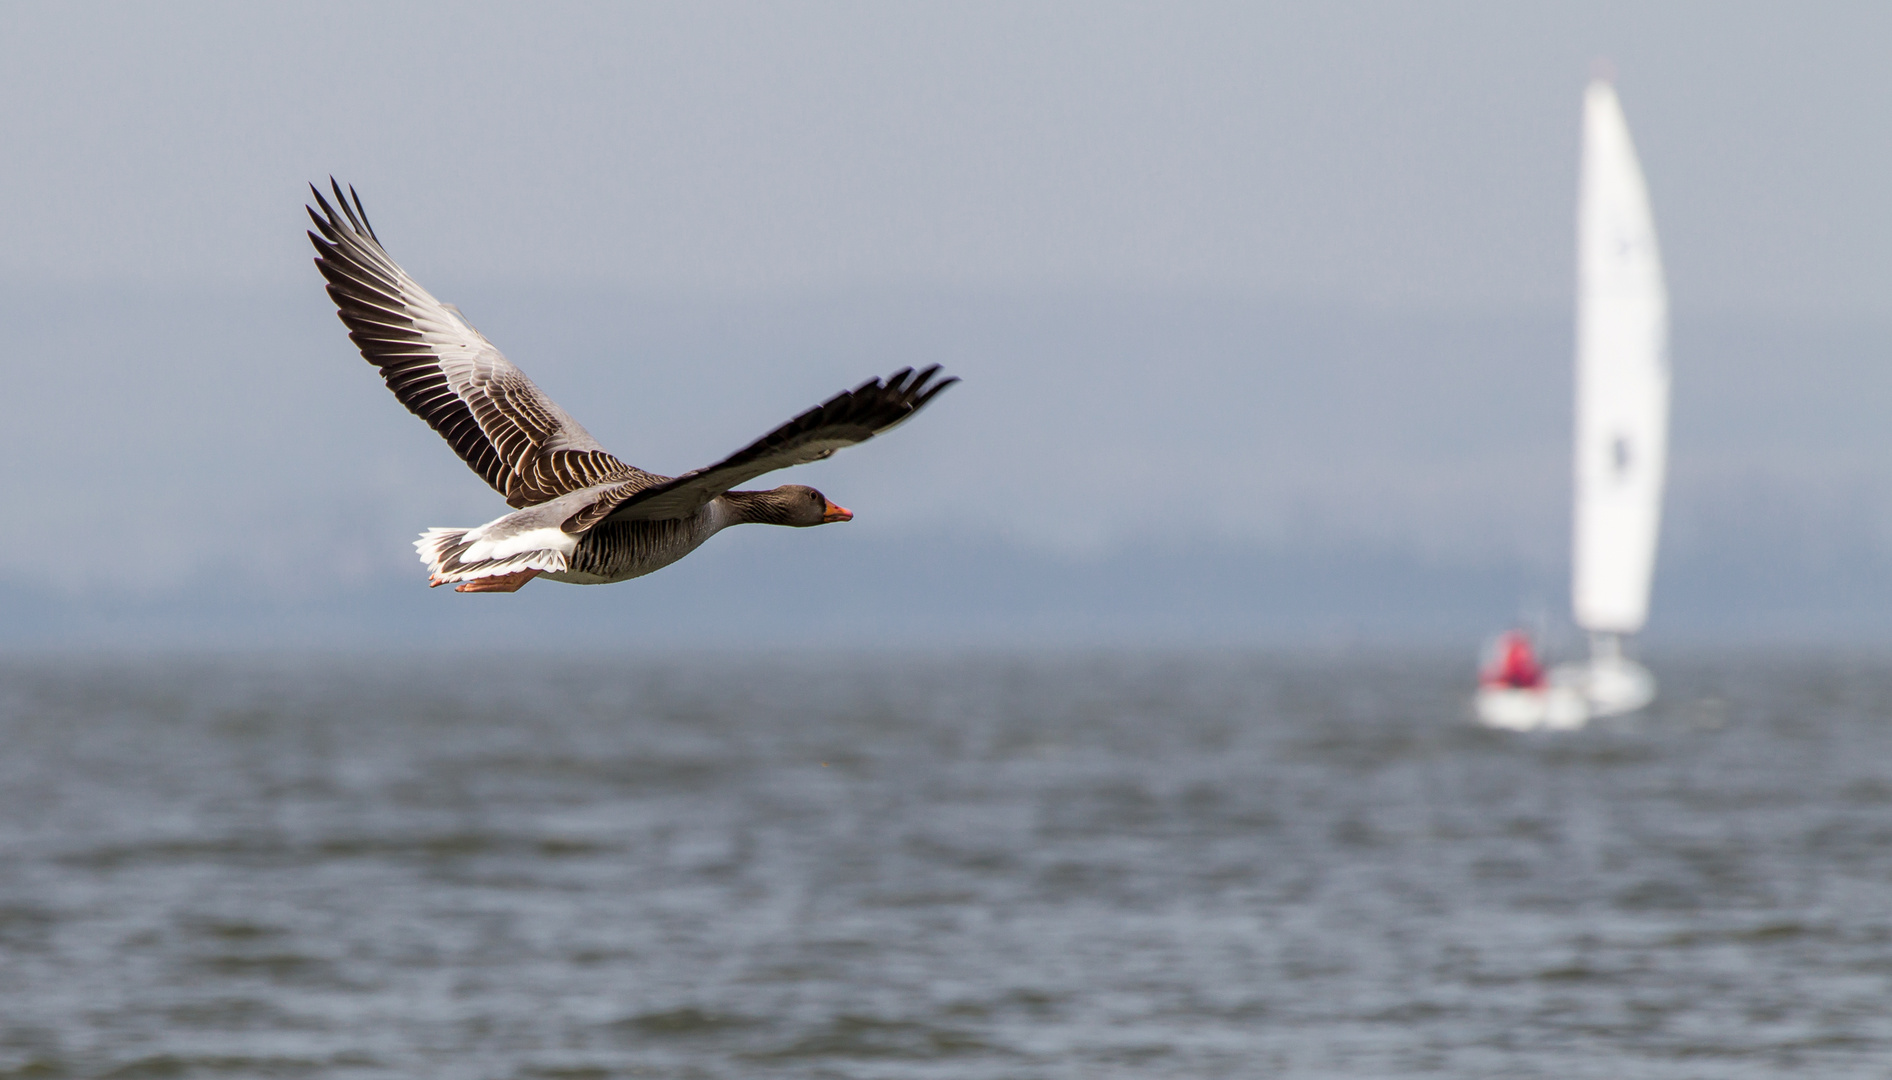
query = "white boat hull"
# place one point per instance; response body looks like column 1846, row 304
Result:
column 1573, row 695
column 1536, row 708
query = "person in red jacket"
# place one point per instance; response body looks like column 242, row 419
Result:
column 1513, row 663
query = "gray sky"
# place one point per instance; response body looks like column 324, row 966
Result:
column 1291, row 276
column 1406, row 154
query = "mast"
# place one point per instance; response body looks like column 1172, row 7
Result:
column 1622, row 376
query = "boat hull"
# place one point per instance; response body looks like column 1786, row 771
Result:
column 1535, row 708
column 1574, row 695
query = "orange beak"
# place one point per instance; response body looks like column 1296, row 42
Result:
column 835, row 513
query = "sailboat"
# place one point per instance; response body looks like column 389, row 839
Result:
column 1622, row 418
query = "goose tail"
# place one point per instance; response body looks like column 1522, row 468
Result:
column 459, row 555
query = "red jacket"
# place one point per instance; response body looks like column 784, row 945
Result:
column 1513, row 664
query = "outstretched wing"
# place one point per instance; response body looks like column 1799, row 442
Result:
column 850, row 417
column 448, row 374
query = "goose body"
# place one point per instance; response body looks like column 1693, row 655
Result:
column 580, row 515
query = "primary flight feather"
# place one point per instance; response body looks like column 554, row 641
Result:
column 580, row 514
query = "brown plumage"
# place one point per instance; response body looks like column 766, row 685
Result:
column 581, row 514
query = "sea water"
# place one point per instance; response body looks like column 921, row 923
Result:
column 968, row 866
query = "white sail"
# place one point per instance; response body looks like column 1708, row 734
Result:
column 1622, row 378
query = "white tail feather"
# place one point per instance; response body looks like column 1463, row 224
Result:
column 443, row 550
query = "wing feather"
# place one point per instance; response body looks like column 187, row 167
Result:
column 447, row 373
column 853, row 416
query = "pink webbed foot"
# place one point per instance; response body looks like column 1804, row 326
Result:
column 498, row 582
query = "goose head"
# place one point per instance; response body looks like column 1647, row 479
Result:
column 795, row 505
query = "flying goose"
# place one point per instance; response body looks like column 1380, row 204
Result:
column 580, row 515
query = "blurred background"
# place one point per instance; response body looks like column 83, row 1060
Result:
column 1263, row 310
column 1125, row 732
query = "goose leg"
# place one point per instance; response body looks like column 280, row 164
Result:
column 498, row 582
